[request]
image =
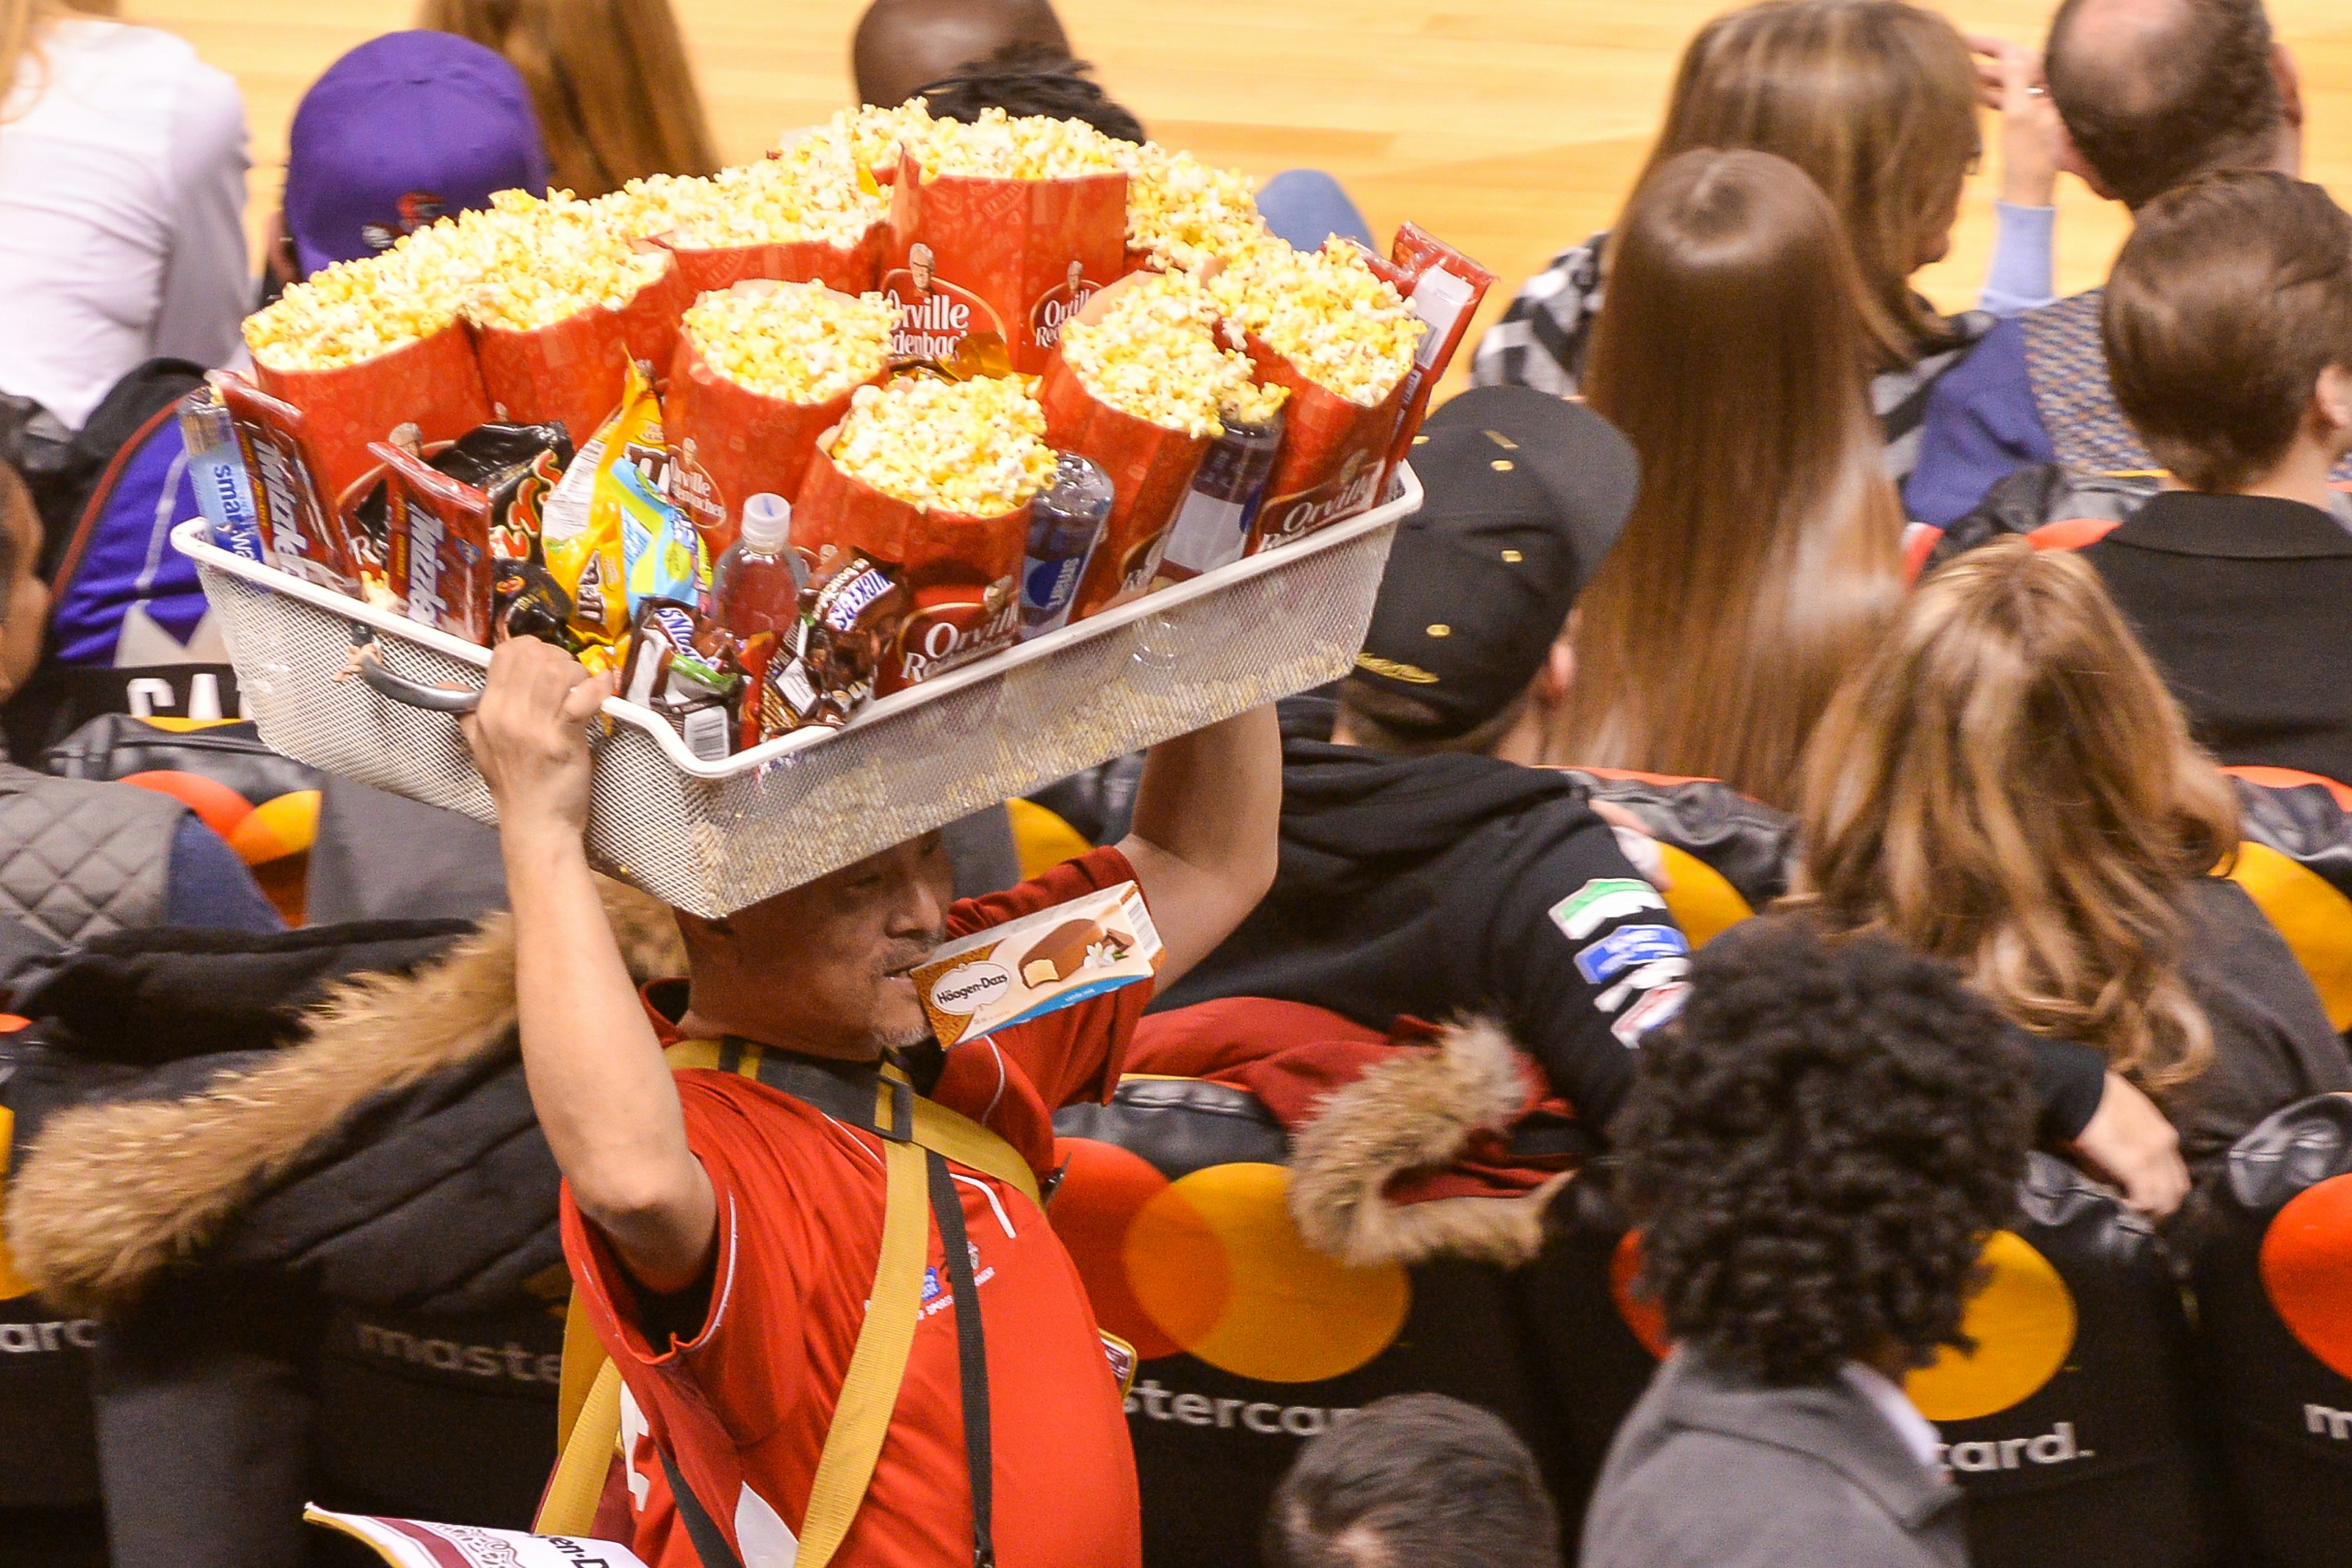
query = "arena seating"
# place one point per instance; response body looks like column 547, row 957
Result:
column 2273, row 1274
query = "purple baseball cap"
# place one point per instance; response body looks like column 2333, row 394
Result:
column 404, row 129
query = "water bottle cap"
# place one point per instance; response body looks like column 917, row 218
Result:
column 767, row 522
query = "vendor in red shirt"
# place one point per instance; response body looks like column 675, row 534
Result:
column 726, row 1235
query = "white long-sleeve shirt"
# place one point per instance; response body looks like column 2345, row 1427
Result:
column 121, row 212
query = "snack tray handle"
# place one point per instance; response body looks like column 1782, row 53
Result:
column 369, row 666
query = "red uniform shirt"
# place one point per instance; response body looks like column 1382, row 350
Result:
column 745, row 1405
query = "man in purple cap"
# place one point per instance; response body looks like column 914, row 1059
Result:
column 404, row 129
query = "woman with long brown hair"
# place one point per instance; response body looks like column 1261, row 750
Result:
column 2009, row 786
column 615, row 96
column 1876, row 100
column 1762, row 559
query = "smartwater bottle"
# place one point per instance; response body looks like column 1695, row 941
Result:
column 1214, row 523
column 1066, row 522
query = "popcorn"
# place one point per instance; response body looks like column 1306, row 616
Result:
column 1341, row 325
column 1182, row 212
column 1154, row 355
column 867, row 137
column 814, row 198
column 801, row 343
column 348, row 314
column 976, row 446
column 1252, row 404
column 997, row 146
column 536, row 262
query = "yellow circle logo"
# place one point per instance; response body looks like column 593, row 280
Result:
column 2023, row 1323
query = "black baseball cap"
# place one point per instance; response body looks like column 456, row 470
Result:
column 1523, row 495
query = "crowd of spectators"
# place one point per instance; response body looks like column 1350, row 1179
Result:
column 1952, row 647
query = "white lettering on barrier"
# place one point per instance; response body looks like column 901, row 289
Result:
column 2323, row 1421
column 33, row 1339
column 1158, row 1403
column 2055, row 1446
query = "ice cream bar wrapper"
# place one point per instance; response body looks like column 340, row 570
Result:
column 298, row 532
column 1334, row 453
column 438, row 551
column 572, row 370
column 1039, row 964
column 1444, row 288
column 852, row 269
column 963, row 572
column 730, row 444
column 1150, row 468
column 433, row 384
column 417, row 1543
column 1012, row 260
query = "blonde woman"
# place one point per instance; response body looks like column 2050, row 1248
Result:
column 615, row 97
column 1761, row 560
column 122, row 206
column 1876, row 100
column 2008, row 786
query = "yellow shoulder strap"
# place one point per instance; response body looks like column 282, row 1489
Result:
column 589, row 1430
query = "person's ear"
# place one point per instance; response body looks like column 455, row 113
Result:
column 2071, row 161
column 2331, row 403
column 2290, row 84
column 1559, row 670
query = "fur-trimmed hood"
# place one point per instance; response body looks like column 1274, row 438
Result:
column 1427, row 1143
column 110, row 1193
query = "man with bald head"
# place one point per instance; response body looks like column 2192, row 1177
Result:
column 903, row 44
column 2152, row 93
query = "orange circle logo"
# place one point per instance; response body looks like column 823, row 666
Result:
column 1211, row 1264
column 2306, row 1269
column 2023, row 1323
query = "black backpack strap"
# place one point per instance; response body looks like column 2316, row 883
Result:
column 971, row 1360
column 710, row 1542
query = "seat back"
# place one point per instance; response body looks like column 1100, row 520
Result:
column 1725, row 856
column 2273, row 1275
column 2295, row 860
column 2069, row 1426
column 1175, row 1207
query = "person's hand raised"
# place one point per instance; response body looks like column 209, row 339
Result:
column 529, row 736
column 2010, row 80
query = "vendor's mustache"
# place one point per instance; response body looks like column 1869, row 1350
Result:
column 902, row 956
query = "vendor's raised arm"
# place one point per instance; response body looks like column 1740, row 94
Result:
column 1203, row 840
column 602, row 1091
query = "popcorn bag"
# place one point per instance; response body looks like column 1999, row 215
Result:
column 1150, row 468
column 1008, row 257
column 852, row 269
column 571, row 371
column 1442, row 286
column 432, row 382
column 733, row 441
column 965, row 572
column 1333, row 454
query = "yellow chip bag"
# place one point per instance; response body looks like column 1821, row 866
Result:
column 579, row 528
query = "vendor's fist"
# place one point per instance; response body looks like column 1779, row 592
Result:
column 529, row 735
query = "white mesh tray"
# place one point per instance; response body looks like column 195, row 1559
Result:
column 714, row 836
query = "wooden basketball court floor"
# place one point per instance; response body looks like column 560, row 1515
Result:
column 1510, row 127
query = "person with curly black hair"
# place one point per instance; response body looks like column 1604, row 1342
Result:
column 1030, row 79
column 1814, row 1155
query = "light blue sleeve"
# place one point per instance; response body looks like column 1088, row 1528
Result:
column 2019, row 277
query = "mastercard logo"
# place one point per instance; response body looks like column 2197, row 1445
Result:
column 1210, row 1265
column 2306, row 1270
column 2023, row 1322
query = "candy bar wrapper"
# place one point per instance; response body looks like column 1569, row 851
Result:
column 1008, row 260
column 669, row 671
column 437, row 553
column 580, row 530
column 419, row 1543
column 433, row 384
column 1444, row 288
column 527, row 602
column 572, row 371
column 1150, row 470
column 1039, row 964
column 1333, row 454
column 858, row 608
column 730, row 444
column 298, row 531
column 962, row 572
column 852, row 269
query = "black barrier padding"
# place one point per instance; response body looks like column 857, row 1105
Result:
column 49, row 1445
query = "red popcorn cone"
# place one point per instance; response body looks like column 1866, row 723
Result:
column 965, row 572
column 1011, row 259
column 572, row 370
column 1333, row 453
column 433, row 384
column 733, row 443
column 1150, row 470
column 852, row 269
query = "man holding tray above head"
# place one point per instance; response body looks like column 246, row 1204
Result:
column 728, row 1228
